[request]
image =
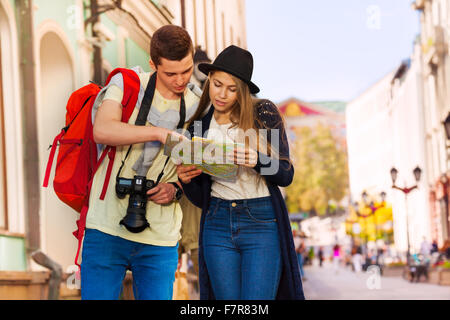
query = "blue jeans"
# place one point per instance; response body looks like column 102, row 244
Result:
column 106, row 258
column 242, row 249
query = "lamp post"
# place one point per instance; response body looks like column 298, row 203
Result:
column 406, row 190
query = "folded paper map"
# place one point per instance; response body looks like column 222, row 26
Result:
column 208, row 155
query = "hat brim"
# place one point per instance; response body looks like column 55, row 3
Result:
column 206, row 68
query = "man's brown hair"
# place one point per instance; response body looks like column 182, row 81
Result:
column 170, row 42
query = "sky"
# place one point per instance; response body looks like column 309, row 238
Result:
column 317, row 50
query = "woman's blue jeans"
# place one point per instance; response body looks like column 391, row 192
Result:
column 106, row 258
column 242, row 249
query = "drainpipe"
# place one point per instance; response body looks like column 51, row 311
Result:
column 24, row 13
column 56, row 273
column 183, row 14
column 98, row 55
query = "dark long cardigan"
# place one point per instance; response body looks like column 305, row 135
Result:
column 199, row 193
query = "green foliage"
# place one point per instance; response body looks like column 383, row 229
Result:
column 321, row 174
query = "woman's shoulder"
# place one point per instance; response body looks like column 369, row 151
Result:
column 268, row 113
column 265, row 106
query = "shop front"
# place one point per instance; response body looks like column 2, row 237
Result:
column 439, row 210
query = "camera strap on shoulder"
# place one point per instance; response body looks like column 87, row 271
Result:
column 144, row 110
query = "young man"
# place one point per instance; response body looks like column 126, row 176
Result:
column 109, row 248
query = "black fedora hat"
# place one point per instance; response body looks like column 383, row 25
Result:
column 235, row 61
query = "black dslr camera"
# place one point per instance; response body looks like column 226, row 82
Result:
column 137, row 188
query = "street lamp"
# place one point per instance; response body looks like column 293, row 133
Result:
column 406, row 190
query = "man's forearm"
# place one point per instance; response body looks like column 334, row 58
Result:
column 116, row 133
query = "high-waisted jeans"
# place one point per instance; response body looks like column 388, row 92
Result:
column 242, row 249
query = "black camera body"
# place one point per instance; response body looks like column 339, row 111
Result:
column 137, row 188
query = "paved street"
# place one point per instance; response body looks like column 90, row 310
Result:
column 327, row 284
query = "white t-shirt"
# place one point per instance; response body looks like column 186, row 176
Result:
column 246, row 185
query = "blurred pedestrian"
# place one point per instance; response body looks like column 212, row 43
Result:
column 336, row 257
column 373, row 256
column 434, row 247
column 300, row 250
column 357, row 259
column 446, row 249
column 425, row 248
column 320, row 256
column 311, row 255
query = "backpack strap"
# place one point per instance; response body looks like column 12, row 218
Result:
column 131, row 87
column 52, row 156
column 144, row 110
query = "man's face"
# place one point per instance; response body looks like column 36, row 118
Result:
column 175, row 75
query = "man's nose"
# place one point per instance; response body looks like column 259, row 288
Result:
column 181, row 80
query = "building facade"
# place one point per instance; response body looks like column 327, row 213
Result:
column 47, row 51
column 385, row 129
column 435, row 31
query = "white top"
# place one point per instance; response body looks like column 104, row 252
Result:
column 246, row 185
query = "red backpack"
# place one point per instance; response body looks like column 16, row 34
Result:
column 78, row 159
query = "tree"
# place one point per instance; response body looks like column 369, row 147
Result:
column 321, row 173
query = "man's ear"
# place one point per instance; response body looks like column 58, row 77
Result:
column 152, row 65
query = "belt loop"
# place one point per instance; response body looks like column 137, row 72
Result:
column 245, row 204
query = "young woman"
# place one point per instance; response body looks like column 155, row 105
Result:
column 246, row 249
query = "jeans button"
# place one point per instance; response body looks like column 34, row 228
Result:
column 234, row 204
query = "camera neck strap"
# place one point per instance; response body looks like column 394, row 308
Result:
column 144, row 110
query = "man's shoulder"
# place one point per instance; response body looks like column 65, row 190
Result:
column 192, row 96
column 194, row 90
column 144, row 77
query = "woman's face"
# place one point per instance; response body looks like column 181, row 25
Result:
column 222, row 91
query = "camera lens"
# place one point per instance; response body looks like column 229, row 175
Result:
column 135, row 220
